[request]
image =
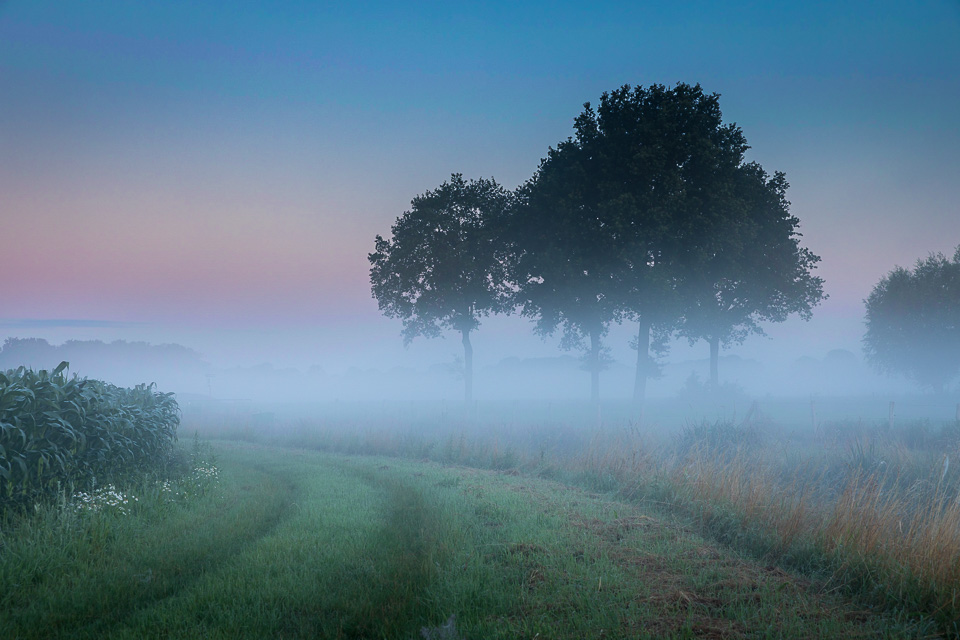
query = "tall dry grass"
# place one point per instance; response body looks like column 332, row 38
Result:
column 880, row 528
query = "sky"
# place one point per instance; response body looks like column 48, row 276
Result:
column 214, row 174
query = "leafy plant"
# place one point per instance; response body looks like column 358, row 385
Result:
column 57, row 431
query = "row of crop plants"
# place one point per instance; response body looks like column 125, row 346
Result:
column 59, row 431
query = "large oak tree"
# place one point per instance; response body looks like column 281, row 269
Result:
column 443, row 267
column 565, row 273
column 619, row 218
column 660, row 157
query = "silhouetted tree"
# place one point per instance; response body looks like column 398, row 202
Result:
column 613, row 216
column 744, row 263
column 913, row 322
column 568, row 263
column 443, row 267
column 658, row 156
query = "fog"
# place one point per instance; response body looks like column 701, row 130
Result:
column 790, row 381
column 206, row 191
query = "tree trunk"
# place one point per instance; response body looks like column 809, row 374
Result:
column 595, row 368
column 714, row 364
column 643, row 360
column 467, row 368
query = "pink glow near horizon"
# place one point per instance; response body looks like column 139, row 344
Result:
column 167, row 166
column 114, row 254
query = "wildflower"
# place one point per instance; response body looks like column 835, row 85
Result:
column 105, row 499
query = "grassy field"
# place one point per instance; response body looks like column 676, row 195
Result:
column 873, row 508
column 288, row 543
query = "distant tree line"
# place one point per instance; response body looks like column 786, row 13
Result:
column 647, row 214
column 96, row 355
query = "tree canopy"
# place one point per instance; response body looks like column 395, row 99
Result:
column 913, row 322
column 443, row 267
column 650, row 214
column 745, row 264
column 662, row 156
column 566, row 268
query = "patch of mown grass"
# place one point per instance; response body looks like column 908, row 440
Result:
column 304, row 544
column 345, row 562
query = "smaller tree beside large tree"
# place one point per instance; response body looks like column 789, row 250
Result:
column 913, row 322
column 747, row 265
column 443, row 267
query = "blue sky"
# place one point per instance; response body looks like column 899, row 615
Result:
column 214, row 173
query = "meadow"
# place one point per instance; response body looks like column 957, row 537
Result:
column 430, row 523
column 869, row 508
column 295, row 543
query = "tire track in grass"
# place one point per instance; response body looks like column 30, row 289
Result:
column 539, row 559
column 376, row 548
column 175, row 563
column 402, row 562
column 352, row 561
column 140, row 562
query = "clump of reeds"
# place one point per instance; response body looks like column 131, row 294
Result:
column 910, row 536
column 616, row 460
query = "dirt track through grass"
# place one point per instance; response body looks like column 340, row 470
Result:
column 303, row 545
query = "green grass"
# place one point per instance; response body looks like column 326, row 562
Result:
column 298, row 544
column 872, row 510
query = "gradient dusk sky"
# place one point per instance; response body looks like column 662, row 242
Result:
column 214, row 174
